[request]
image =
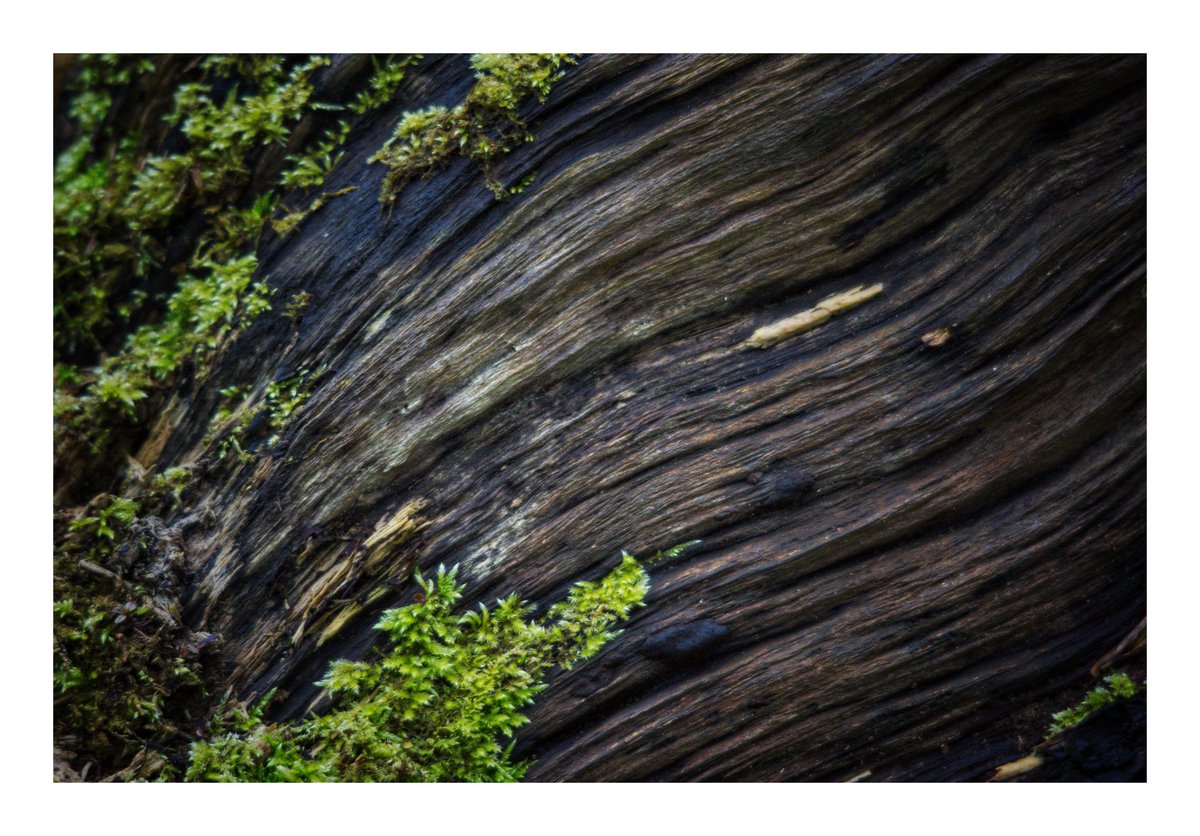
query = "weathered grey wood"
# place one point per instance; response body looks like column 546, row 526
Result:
column 904, row 539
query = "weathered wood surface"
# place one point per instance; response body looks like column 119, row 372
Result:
column 904, row 540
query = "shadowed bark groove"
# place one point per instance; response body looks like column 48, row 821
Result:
column 905, row 540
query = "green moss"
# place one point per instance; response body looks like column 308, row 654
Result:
column 297, row 305
column 135, row 304
column 311, row 168
column 285, row 397
column 113, row 204
column 486, row 126
column 286, row 224
column 116, row 203
column 279, row 404
column 100, row 75
column 124, row 677
column 118, row 675
column 171, row 483
column 112, row 519
column 1117, row 686
column 444, row 701
column 522, row 184
column 203, row 311
column 384, row 82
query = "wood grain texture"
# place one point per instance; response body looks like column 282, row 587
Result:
column 902, row 542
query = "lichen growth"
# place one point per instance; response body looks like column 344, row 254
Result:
column 484, row 127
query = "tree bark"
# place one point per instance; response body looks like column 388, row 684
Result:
column 919, row 517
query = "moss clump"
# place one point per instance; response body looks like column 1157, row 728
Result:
column 486, row 126
column 127, row 676
column 121, row 678
column 203, row 311
column 311, row 168
column 114, row 205
column 297, row 305
column 155, row 227
column 384, row 82
column 155, row 235
column 171, row 483
column 113, row 518
column 116, row 202
column 1117, row 686
column 441, row 703
column 91, row 178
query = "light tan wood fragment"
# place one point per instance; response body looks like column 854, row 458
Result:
column 854, row 296
column 339, row 621
column 814, row 316
column 1017, row 767
column 391, row 532
column 937, row 338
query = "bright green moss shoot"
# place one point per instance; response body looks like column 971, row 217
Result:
column 1115, row 687
column 444, row 701
column 486, row 126
column 384, row 83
